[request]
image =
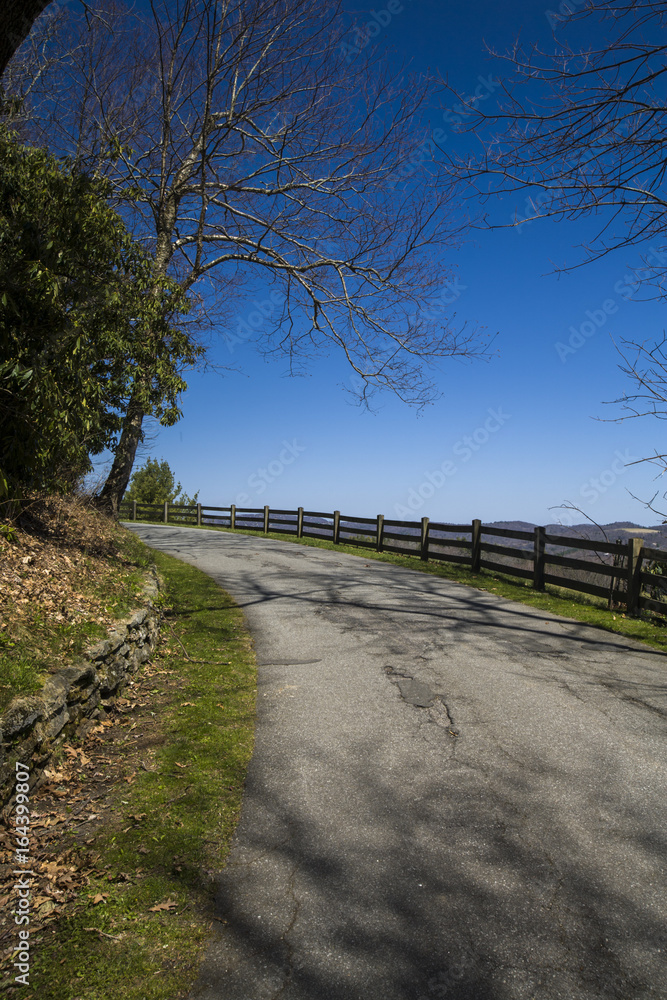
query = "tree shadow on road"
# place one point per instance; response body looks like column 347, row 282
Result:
column 404, row 862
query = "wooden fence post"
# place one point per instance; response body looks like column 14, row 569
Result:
column 134, row 510
column 380, row 532
column 635, row 546
column 336, row 527
column 423, row 552
column 266, row 520
column 199, row 515
column 476, row 550
column 614, row 580
column 232, row 517
column 165, row 516
column 299, row 523
column 538, row 564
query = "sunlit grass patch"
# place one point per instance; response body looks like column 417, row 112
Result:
column 18, row 675
column 139, row 930
column 67, row 575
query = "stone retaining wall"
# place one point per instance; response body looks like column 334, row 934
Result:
column 74, row 699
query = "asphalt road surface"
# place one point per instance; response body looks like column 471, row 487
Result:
column 451, row 795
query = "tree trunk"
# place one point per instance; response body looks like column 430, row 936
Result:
column 111, row 494
column 16, row 19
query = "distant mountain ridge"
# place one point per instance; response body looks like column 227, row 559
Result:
column 617, row 531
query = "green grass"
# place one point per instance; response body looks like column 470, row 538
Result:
column 121, row 588
column 34, row 645
column 192, row 802
column 20, row 676
column 649, row 629
column 192, row 798
column 27, row 659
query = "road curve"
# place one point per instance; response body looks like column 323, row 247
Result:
column 451, row 795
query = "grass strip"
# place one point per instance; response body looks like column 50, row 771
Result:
column 59, row 594
column 648, row 628
column 140, row 929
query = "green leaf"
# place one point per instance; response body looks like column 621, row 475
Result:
column 83, row 333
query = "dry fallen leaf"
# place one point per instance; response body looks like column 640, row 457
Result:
column 99, row 897
column 102, row 726
column 53, row 775
column 168, row 905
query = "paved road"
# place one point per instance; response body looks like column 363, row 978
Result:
column 451, row 796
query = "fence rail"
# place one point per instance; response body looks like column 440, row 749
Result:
column 624, row 573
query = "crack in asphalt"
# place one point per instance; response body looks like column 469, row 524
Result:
column 538, row 835
column 288, row 663
column 418, row 694
column 641, row 703
column 284, row 936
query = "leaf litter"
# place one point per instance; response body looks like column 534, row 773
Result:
column 77, row 795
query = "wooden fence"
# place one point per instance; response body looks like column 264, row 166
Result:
column 624, row 573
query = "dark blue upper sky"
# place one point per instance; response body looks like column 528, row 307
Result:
column 510, row 438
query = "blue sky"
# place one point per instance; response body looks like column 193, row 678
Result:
column 510, row 438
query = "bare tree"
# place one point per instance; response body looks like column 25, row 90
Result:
column 584, row 127
column 645, row 364
column 16, row 20
column 582, row 131
column 245, row 148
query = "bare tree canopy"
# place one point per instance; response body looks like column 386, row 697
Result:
column 645, row 365
column 583, row 129
column 16, row 20
column 584, row 126
column 245, row 150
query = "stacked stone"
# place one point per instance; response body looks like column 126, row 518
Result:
column 75, row 698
